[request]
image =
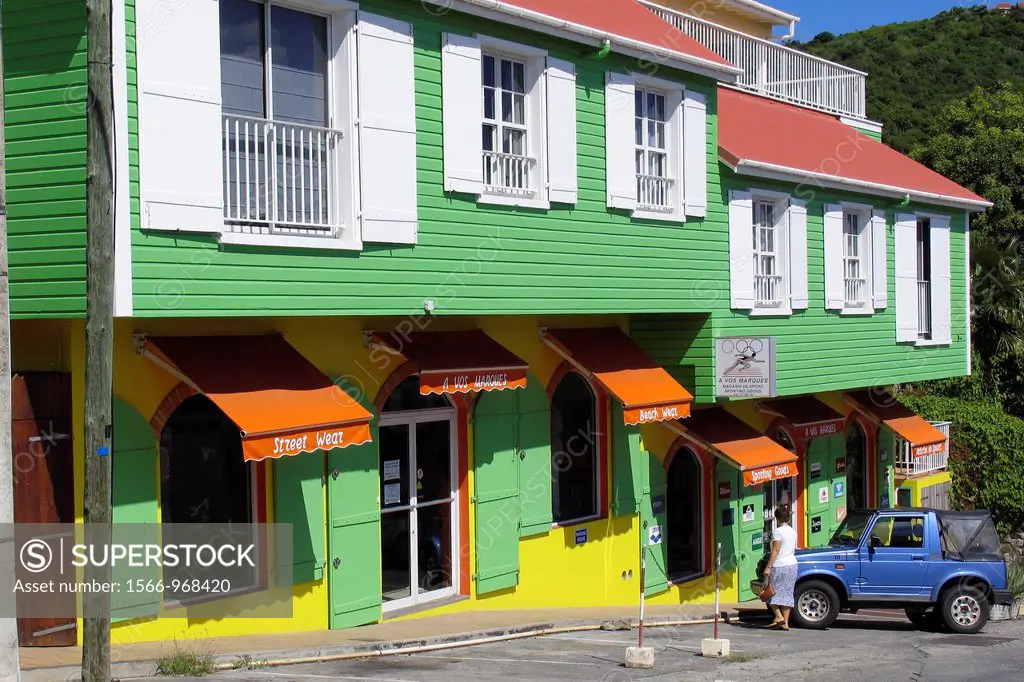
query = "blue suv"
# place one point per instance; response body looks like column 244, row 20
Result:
column 942, row 567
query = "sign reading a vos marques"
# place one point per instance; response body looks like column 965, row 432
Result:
column 745, row 367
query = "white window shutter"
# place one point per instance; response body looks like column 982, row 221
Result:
column 387, row 130
column 180, row 126
column 798, row 254
column 879, row 261
column 620, row 140
column 835, row 294
column 561, row 115
column 462, row 114
column 695, row 154
column 741, row 250
column 941, row 313
column 905, row 251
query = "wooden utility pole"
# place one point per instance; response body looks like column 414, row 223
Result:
column 99, row 329
column 9, row 668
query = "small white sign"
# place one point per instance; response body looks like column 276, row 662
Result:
column 823, row 495
column 745, row 367
column 654, row 535
column 748, row 513
column 392, row 493
column 392, row 469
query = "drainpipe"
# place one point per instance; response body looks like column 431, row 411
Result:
column 601, row 52
column 791, row 33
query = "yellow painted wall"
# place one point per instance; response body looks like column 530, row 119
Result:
column 718, row 12
column 916, row 485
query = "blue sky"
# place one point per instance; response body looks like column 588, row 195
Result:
column 843, row 16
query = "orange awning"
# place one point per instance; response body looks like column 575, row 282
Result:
column 882, row 408
column 281, row 403
column 456, row 362
column 758, row 457
column 648, row 393
column 808, row 415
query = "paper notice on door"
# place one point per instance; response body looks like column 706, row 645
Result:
column 392, row 469
column 393, row 493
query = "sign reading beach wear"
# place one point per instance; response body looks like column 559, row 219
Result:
column 660, row 413
column 745, row 367
column 471, row 382
column 770, row 473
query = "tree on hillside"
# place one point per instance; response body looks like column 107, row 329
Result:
column 916, row 68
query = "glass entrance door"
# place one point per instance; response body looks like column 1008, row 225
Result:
column 418, row 507
column 776, row 494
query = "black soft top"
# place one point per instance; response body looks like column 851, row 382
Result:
column 969, row 535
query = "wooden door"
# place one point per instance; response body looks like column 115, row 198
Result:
column 44, row 478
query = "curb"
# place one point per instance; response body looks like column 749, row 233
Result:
column 265, row 659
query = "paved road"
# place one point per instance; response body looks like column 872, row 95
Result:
column 862, row 648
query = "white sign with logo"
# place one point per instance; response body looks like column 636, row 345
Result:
column 745, row 367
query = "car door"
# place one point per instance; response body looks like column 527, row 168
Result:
column 896, row 565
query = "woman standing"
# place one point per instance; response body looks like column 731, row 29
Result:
column 781, row 568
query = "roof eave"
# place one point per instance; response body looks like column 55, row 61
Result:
column 772, row 171
column 762, row 11
column 562, row 28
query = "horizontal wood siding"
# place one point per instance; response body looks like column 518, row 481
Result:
column 45, row 87
column 683, row 344
column 471, row 259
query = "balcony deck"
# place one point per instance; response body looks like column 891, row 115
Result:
column 777, row 71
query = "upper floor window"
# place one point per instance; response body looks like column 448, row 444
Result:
column 653, row 184
column 923, row 279
column 655, row 148
column 856, row 282
column 507, row 165
column 526, row 154
column 767, row 252
column 280, row 161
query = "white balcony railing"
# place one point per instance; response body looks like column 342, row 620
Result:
column 856, row 291
column 924, row 309
column 776, row 70
column 281, row 178
column 768, row 291
column 908, row 465
column 653, row 193
column 508, row 174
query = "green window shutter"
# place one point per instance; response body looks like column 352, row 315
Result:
column 496, row 494
column 134, row 482
column 534, row 441
column 298, row 500
column 655, row 495
column 354, row 563
column 627, row 465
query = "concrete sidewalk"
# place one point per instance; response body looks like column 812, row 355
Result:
column 389, row 637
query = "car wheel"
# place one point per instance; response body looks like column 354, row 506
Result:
column 965, row 609
column 817, row 605
column 923, row 618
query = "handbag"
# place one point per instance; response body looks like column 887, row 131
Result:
column 767, row 593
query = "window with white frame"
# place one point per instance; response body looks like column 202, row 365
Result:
column 653, row 184
column 854, row 281
column 923, row 279
column 280, row 162
column 508, row 167
column 767, row 252
column 769, row 284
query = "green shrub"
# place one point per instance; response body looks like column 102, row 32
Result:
column 986, row 460
column 186, row 663
column 1015, row 580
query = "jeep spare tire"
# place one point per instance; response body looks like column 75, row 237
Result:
column 965, row 609
column 817, row 605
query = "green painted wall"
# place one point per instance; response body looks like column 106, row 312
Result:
column 45, row 87
column 470, row 259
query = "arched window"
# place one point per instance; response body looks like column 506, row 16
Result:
column 406, row 396
column 856, row 466
column 203, row 475
column 575, row 467
column 685, row 515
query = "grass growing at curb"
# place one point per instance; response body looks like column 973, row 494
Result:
column 247, row 662
column 742, row 658
column 186, row 663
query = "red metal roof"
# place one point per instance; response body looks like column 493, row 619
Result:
column 764, row 131
column 623, row 18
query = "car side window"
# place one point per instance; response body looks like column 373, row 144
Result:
column 899, row 532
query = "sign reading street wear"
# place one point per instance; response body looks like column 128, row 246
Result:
column 260, row 446
column 745, row 367
column 436, row 383
column 770, row 473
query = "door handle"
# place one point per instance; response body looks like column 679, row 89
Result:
column 917, row 557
